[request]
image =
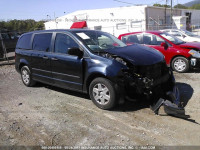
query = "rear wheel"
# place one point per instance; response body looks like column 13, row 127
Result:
column 26, row 76
column 180, row 64
column 103, row 93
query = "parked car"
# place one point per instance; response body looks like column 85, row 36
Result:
column 184, row 35
column 94, row 62
column 9, row 40
column 181, row 56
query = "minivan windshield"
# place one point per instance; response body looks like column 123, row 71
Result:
column 98, row 41
column 172, row 38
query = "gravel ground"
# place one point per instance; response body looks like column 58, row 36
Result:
column 46, row 115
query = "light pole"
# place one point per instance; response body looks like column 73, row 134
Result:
column 49, row 17
column 171, row 14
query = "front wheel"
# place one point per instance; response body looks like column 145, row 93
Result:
column 103, row 93
column 180, row 64
column 26, row 76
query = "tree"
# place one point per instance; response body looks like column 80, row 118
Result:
column 180, row 6
column 160, row 5
column 22, row 25
column 195, row 6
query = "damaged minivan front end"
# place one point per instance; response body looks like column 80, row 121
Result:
column 147, row 77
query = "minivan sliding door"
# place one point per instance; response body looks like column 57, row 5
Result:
column 41, row 62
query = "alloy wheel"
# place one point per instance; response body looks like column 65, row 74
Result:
column 180, row 65
column 101, row 94
column 25, row 76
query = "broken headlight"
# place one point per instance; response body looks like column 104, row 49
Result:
column 120, row 60
column 194, row 53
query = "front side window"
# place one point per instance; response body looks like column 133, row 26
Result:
column 63, row 42
column 189, row 33
column 172, row 38
column 41, row 42
column 151, row 39
column 121, row 26
column 98, row 41
column 176, row 33
column 5, row 36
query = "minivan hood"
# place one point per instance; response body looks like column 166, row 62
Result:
column 138, row 54
column 190, row 45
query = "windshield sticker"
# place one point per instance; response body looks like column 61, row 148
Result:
column 83, row 36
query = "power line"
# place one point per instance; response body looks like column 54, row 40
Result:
column 156, row 2
column 138, row 4
column 124, row 2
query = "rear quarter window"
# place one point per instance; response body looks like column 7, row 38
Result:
column 24, row 42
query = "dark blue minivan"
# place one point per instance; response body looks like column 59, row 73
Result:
column 94, row 62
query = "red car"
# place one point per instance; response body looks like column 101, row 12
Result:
column 181, row 56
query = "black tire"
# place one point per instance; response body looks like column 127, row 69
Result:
column 106, row 91
column 27, row 77
column 180, row 64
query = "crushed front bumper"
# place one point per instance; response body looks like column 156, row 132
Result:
column 172, row 106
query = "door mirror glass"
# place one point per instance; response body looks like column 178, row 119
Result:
column 75, row 51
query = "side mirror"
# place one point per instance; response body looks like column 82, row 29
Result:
column 75, row 51
column 163, row 44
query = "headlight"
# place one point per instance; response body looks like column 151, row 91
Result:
column 194, row 53
column 120, row 60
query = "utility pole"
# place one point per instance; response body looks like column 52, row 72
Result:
column 171, row 14
column 166, row 13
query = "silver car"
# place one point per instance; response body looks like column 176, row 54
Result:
column 183, row 35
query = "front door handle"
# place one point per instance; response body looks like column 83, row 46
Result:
column 54, row 59
column 45, row 57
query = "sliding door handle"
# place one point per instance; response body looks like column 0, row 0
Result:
column 54, row 59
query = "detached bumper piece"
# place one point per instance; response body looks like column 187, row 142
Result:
column 171, row 107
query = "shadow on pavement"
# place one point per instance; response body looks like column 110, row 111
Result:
column 65, row 91
column 186, row 92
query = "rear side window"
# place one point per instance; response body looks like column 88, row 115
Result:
column 133, row 38
column 24, row 42
column 41, row 42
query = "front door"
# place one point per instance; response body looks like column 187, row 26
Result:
column 155, row 41
column 9, row 42
column 66, row 69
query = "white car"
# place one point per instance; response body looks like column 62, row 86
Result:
column 183, row 35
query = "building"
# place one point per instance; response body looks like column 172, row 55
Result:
column 127, row 19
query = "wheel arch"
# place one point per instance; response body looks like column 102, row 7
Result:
column 92, row 77
column 176, row 57
column 22, row 63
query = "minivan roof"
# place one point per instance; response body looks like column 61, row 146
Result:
column 60, row 30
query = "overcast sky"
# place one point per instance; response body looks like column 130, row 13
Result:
column 39, row 9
